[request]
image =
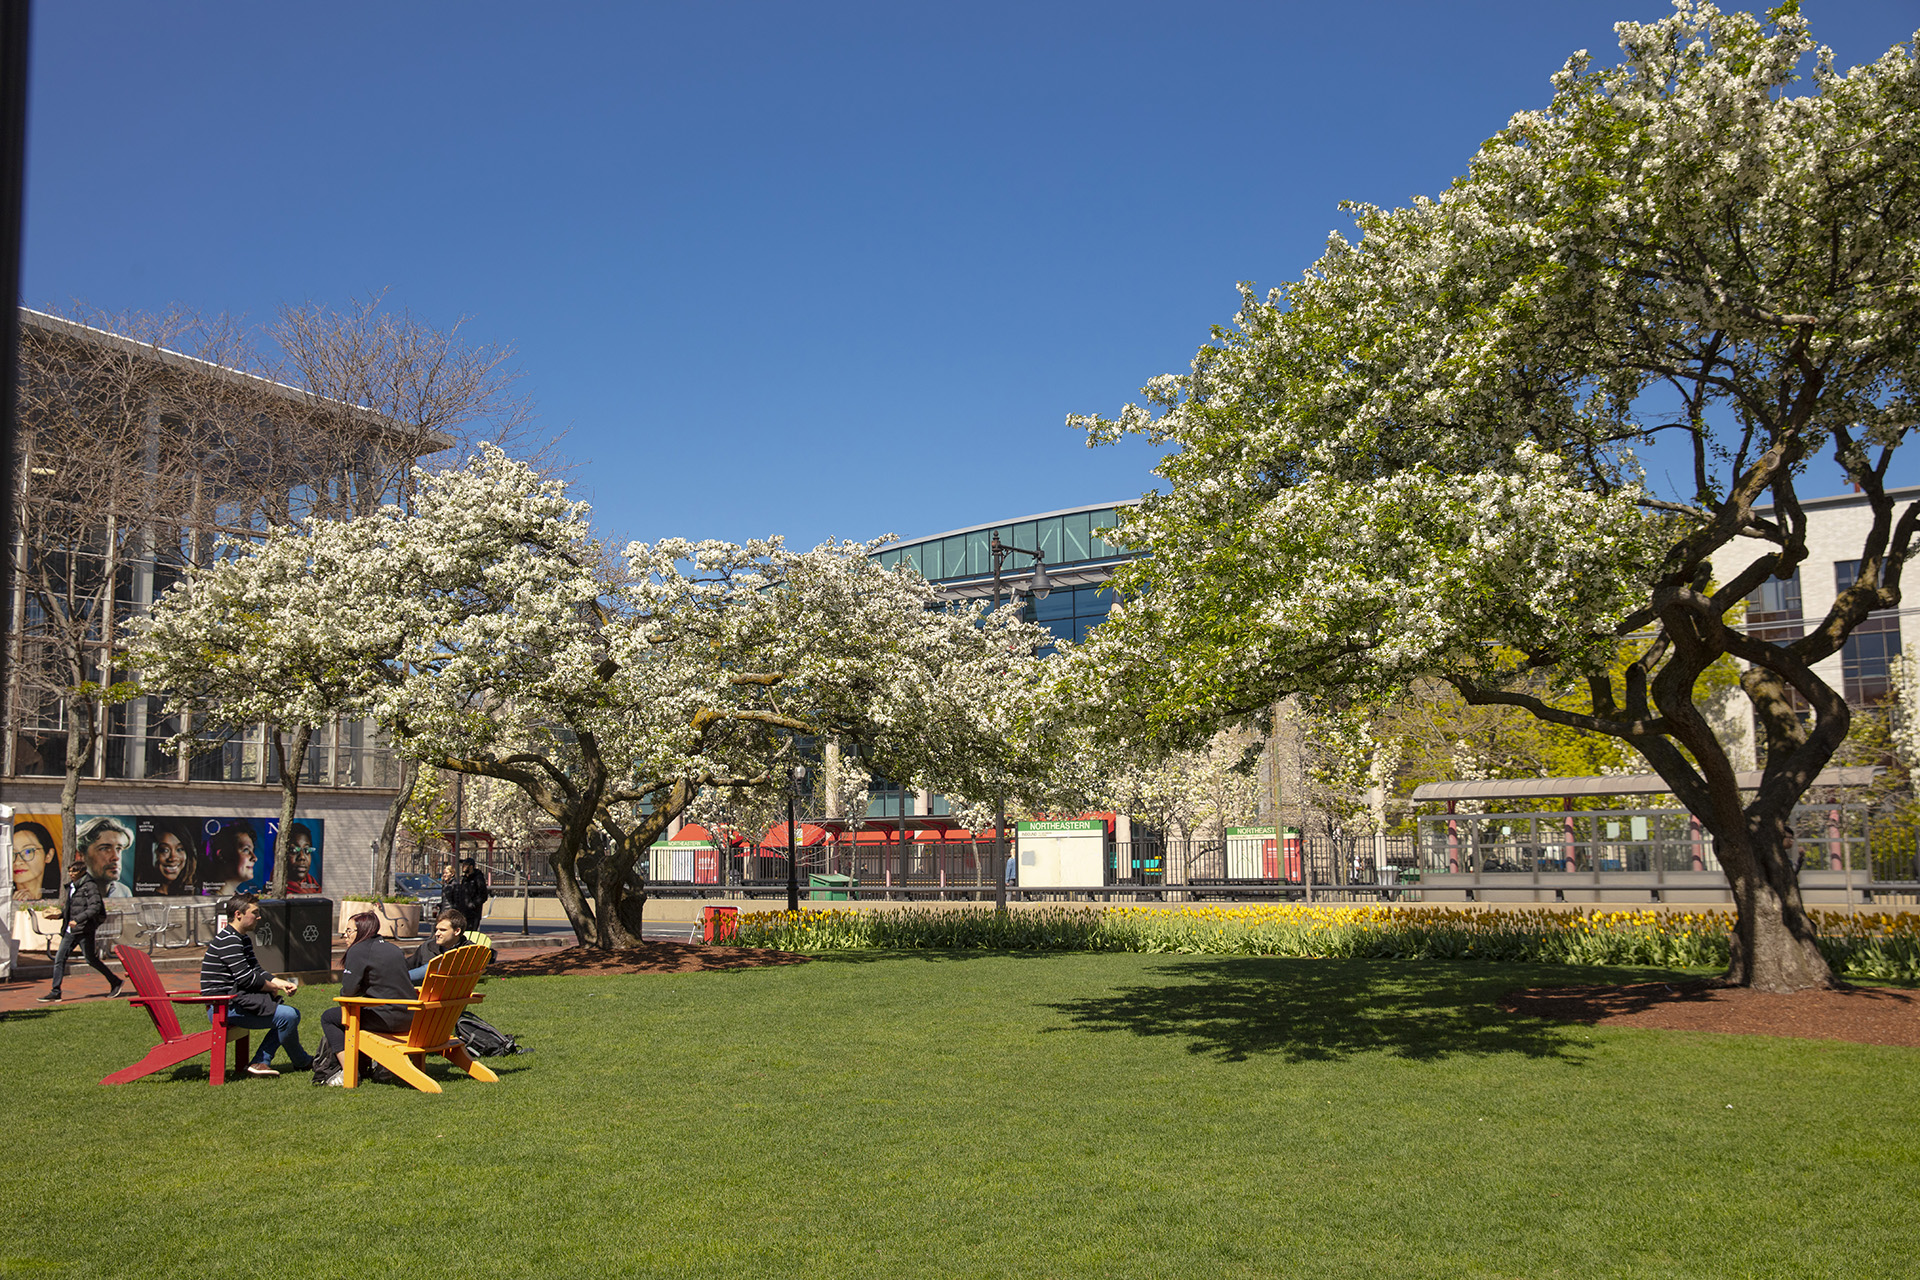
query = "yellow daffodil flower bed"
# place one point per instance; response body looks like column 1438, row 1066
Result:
column 1871, row 945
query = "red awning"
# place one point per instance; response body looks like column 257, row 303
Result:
column 694, row 831
column 805, row 834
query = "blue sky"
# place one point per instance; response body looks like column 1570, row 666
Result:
column 822, row 270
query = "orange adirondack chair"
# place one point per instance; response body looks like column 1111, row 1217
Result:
column 445, row 989
column 176, row 1046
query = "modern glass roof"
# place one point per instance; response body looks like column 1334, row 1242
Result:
column 1063, row 538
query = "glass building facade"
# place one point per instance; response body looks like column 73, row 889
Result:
column 959, row 564
column 1062, row 537
column 1078, row 556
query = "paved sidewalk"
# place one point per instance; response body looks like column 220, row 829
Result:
column 180, row 969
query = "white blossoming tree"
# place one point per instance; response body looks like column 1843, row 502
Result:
column 267, row 635
column 613, row 691
column 1414, row 462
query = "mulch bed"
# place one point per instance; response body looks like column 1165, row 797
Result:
column 648, row 957
column 1865, row 1015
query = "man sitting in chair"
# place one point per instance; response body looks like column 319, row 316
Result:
column 372, row 967
column 449, row 931
column 229, row 968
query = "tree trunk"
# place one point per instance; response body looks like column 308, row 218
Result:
column 293, row 762
column 390, row 830
column 80, row 712
column 566, row 884
column 621, row 911
column 1775, row 946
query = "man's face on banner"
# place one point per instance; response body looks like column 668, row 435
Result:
column 103, row 854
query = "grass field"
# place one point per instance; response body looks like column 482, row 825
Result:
column 1113, row 1115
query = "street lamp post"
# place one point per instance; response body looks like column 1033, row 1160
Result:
column 795, row 780
column 1040, row 587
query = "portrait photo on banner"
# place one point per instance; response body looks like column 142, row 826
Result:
column 304, row 852
column 105, row 845
column 36, row 857
column 233, row 853
column 167, row 858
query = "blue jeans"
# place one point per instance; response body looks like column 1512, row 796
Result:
column 285, row 1024
column 83, row 940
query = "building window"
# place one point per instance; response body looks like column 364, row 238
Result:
column 1070, row 612
column 887, row 800
column 1773, row 611
column 1866, row 656
column 1062, row 540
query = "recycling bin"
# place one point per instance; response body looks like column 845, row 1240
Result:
column 295, row 935
column 830, row 888
column 719, row 923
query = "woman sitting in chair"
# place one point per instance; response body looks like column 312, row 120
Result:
column 374, row 968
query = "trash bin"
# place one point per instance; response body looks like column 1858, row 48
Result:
column 295, row 935
column 719, row 923
column 830, row 888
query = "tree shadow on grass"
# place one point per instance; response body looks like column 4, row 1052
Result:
column 941, row 955
column 1236, row 1008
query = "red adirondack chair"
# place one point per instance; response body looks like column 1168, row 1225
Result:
column 177, row 1046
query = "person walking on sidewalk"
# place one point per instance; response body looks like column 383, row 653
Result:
column 469, row 893
column 229, row 968
column 85, row 910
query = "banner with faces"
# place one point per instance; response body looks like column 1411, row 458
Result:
column 166, row 856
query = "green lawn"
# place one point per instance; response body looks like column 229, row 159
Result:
column 986, row 1115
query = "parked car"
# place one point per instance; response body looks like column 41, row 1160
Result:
column 424, row 887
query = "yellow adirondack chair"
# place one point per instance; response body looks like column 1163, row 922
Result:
column 445, row 989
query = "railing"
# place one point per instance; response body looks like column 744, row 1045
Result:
column 1551, row 848
column 1829, row 838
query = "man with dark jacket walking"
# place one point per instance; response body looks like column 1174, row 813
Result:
column 81, row 916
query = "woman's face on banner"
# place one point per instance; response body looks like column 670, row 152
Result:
column 300, row 853
column 170, row 856
column 243, row 854
column 29, row 864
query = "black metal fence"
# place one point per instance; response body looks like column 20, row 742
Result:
column 1320, row 867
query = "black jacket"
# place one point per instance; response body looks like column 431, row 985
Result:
column 426, row 951
column 468, row 894
column 85, row 907
column 375, row 967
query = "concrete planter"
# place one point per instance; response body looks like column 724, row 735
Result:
column 397, row 919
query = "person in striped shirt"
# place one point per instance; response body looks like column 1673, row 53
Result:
column 229, row 968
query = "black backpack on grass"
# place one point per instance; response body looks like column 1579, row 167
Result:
column 483, row 1039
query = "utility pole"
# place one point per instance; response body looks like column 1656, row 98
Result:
column 1273, row 788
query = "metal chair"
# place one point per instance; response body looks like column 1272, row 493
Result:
column 150, row 915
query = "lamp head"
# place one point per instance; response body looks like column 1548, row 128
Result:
column 1041, row 586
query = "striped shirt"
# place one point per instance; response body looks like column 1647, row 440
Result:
column 229, row 966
